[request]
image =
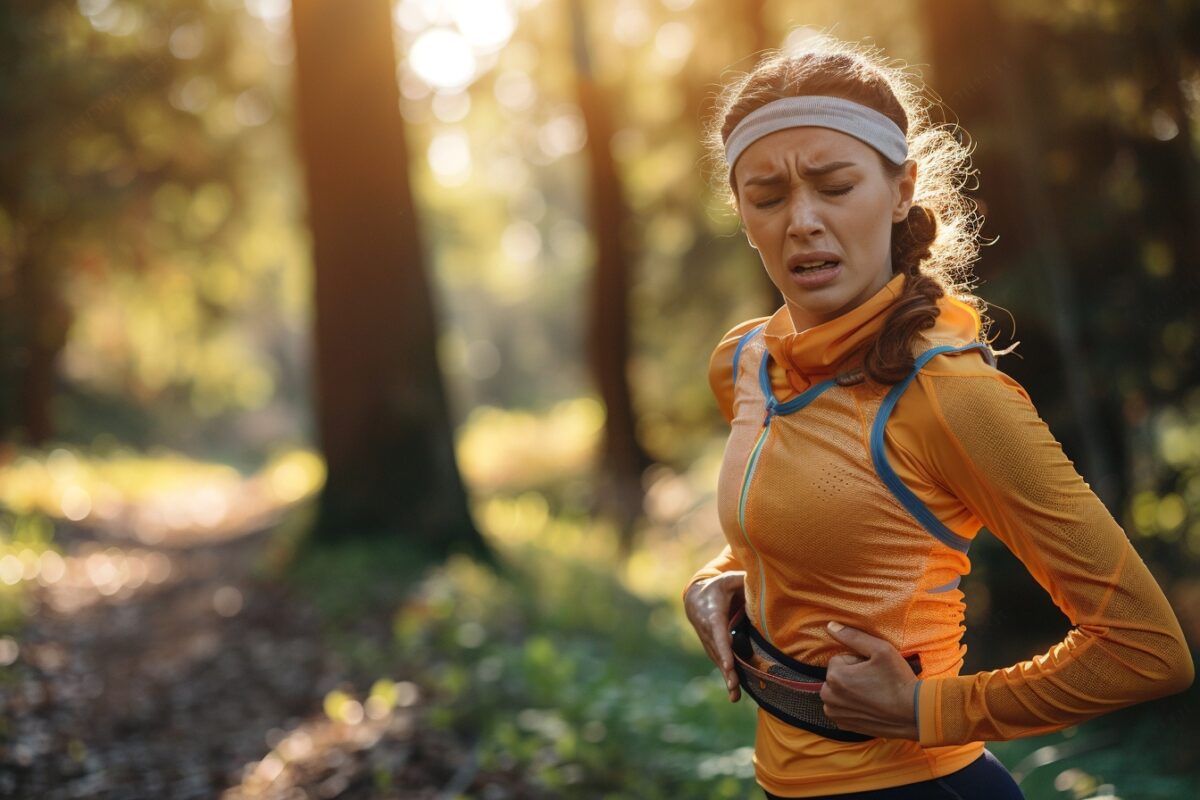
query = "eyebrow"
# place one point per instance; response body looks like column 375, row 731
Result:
column 809, row 172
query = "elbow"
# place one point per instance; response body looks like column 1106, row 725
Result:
column 1184, row 673
column 1177, row 674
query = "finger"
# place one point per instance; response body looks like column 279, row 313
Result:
column 712, row 626
column 859, row 641
column 720, row 652
column 725, row 662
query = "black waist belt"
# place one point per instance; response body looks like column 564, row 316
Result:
column 784, row 687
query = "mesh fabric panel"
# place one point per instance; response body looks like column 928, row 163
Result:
column 1127, row 646
column 820, row 516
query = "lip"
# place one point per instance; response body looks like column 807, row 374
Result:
column 817, row 278
column 812, row 255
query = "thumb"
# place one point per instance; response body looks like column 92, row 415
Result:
column 858, row 641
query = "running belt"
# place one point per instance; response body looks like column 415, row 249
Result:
column 784, row 687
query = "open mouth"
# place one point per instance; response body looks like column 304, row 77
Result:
column 802, row 268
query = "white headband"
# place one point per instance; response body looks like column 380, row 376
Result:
column 847, row 116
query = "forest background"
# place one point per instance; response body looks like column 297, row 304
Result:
column 378, row 332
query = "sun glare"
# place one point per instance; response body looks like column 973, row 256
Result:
column 442, row 57
column 487, row 24
column 449, row 37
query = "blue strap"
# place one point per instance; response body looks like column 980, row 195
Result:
column 737, row 354
column 917, row 706
column 945, row 587
column 889, row 477
column 796, row 403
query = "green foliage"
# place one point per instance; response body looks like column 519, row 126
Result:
column 25, row 537
column 1140, row 753
column 550, row 666
column 149, row 213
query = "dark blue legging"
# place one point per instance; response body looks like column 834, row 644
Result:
column 985, row 778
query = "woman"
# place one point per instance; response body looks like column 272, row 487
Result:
column 871, row 439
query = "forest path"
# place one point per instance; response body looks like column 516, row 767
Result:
column 171, row 668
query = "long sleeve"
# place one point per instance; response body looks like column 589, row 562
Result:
column 724, row 561
column 989, row 448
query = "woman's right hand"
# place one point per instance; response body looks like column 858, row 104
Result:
column 710, row 604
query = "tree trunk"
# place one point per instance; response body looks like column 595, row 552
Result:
column 35, row 324
column 620, row 493
column 762, row 38
column 1169, row 60
column 971, row 40
column 383, row 421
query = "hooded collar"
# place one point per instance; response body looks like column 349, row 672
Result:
column 822, row 351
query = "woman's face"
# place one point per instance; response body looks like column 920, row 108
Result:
column 814, row 194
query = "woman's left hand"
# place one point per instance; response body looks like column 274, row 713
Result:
column 870, row 693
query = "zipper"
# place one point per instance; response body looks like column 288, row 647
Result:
column 748, row 476
column 774, row 408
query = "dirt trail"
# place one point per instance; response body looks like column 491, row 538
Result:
column 169, row 670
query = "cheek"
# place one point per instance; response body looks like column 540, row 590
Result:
column 872, row 227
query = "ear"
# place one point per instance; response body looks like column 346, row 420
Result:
column 903, row 191
column 742, row 225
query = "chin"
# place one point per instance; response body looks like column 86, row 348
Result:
column 818, row 302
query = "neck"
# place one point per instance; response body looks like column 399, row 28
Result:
column 803, row 319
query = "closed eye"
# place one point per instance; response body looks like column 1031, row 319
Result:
column 840, row 190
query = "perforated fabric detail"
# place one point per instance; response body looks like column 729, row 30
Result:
column 1003, row 462
column 805, row 515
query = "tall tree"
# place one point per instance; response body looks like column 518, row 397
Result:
column 762, row 38
column 384, row 424
column 33, row 318
column 620, row 491
column 974, row 59
column 99, row 162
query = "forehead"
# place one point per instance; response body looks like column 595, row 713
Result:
column 801, row 147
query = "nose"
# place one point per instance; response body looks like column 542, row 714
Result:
column 804, row 216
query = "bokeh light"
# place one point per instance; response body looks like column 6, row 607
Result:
column 443, row 58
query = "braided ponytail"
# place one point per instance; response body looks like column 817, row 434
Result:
column 889, row 357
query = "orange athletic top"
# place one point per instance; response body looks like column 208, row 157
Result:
column 822, row 536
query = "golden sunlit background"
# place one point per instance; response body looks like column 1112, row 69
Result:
column 355, row 432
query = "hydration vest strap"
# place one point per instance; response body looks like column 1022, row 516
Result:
column 737, row 353
column 888, row 475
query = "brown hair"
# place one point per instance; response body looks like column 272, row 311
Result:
column 936, row 244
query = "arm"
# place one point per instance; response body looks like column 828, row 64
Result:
column 993, row 451
column 724, row 561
